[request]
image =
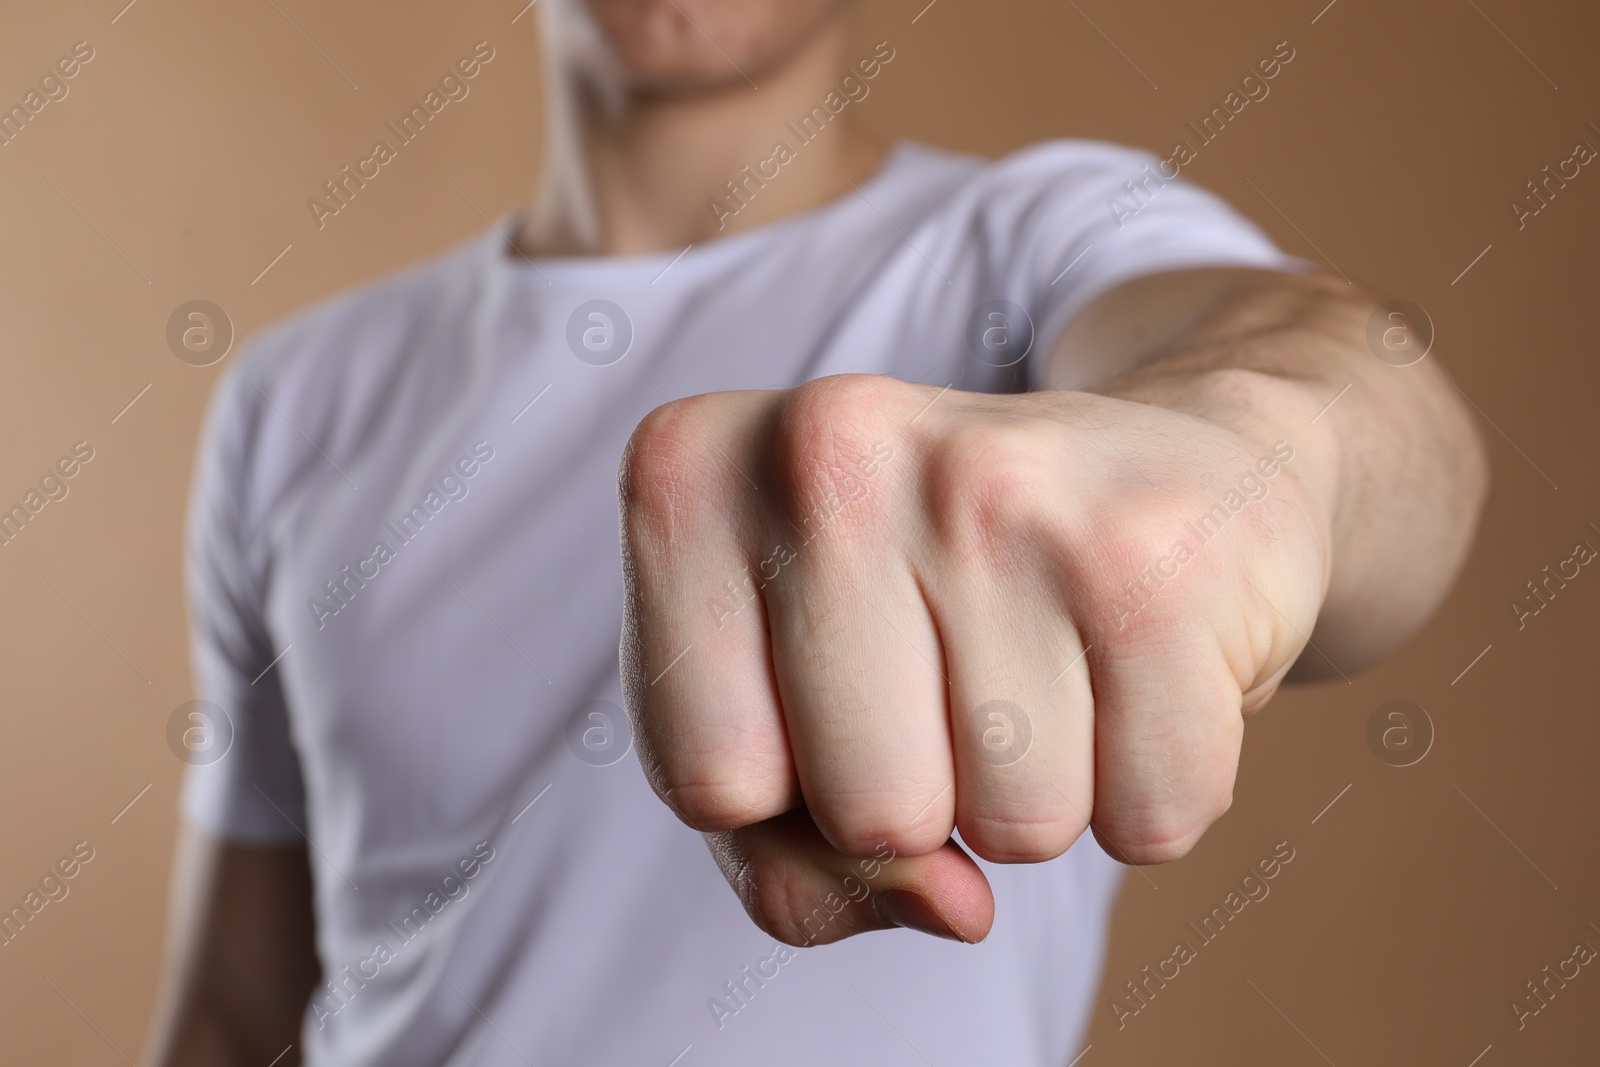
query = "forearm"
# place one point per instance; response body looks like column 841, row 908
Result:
column 201, row 1035
column 1389, row 455
column 240, row 962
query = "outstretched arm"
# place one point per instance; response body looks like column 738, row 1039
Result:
column 862, row 614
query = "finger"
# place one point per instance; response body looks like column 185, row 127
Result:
column 859, row 669
column 857, row 659
column 801, row 890
column 1021, row 708
column 1024, row 739
column 696, row 666
column 1168, row 730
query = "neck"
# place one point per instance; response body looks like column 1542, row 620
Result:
column 653, row 169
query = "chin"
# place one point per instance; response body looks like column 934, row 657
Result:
column 688, row 45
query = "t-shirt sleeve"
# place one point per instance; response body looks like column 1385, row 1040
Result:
column 1070, row 220
column 243, row 781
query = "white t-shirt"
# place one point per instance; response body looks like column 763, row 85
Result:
column 406, row 598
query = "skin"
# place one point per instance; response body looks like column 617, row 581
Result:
column 844, row 712
column 241, row 962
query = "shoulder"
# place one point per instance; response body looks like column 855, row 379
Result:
column 362, row 330
column 1077, row 158
column 1050, row 193
column 1043, row 160
column 1063, row 194
column 1058, row 175
column 323, row 374
column 1043, row 166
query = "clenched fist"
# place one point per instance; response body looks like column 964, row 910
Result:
column 862, row 614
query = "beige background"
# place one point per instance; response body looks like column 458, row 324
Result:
column 1417, row 905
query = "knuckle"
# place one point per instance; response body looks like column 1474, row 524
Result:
column 728, row 804
column 833, row 436
column 860, row 827
column 1139, row 576
column 1150, row 838
column 660, row 476
column 987, row 488
column 848, row 398
column 1162, row 834
column 1009, row 839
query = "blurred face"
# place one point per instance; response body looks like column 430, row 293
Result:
column 684, row 45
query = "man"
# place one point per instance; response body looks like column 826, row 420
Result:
column 952, row 503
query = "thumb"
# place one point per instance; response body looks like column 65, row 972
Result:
column 795, row 886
